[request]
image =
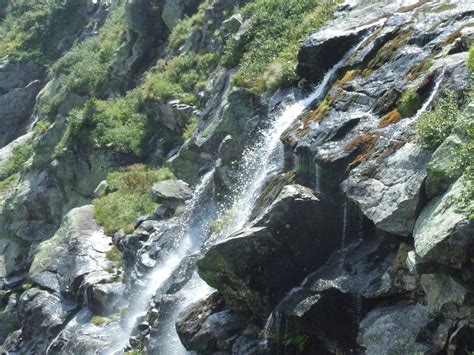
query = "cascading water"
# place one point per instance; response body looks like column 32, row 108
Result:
column 192, row 227
column 266, row 157
column 258, row 163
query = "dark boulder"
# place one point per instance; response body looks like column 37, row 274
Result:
column 254, row 267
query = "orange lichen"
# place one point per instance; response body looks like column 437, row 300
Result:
column 388, row 50
column 317, row 114
column 363, row 146
column 390, row 118
column 350, row 74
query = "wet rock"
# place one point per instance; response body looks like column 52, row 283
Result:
column 171, row 193
column 385, row 330
column 443, row 231
column 288, row 239
column 102, row 293
column 441, row 289
column 391, row 196
column 329, row 304
column 208, row 327
column 42, row 313
column 323, row 49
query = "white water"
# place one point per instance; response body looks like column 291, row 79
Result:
column 266, row 157
column 168, row 341
column 258, row 163
column 189, row 241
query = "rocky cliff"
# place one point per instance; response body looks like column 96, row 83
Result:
column 236, row 176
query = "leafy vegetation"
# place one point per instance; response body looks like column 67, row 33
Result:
column 181, row 77
column 9, row 183
column 21, row 153
column 99, row 320
column 115, row 123
column 409, row 103
column 114, row 255
column 32, row 29
column 267, row 54
column 436, row 125
column 84, row 68
column 470, row 58
column 128, row 197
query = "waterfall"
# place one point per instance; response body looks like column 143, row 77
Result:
column 192, row 228
column 266, row 157
column 167, row 340
column 258, row 163
column 432, row 96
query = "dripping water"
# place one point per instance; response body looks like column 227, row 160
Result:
column 317, row 178
column 344, row 222
column 266, row 157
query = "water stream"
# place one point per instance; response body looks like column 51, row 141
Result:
column 258, row 163
column 193, row 225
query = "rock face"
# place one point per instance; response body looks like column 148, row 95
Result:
column 443, row 232
column 77, row 249
column 391, row 196
column 323, row 49
column 19, row 85
column 67, row 269
column 357, row 242
column 287, row 240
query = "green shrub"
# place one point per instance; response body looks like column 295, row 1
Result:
column 434, row 126
column 470, row 58
column 8, row 183
column 128, row 197
column 21, row 153
column 114, row 255
column 191, row 127
column 115, row 123
column 41, row 127
column 409, row 103
column 84, row 68
column 180, row 77
column 99, row 320
column 137, row 179
column 268, row 52
column 32, row 29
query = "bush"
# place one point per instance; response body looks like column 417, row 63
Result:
column 128, row 197
column 191, row 127
column 180, row 77
column 99, row 320
column 21, row 153
column 84, row 68
column 115, row 123
column 114, row 255
column 268, row 53
column 436, row 125
column 470, row 58
column 409, row 103
column 32, row 29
